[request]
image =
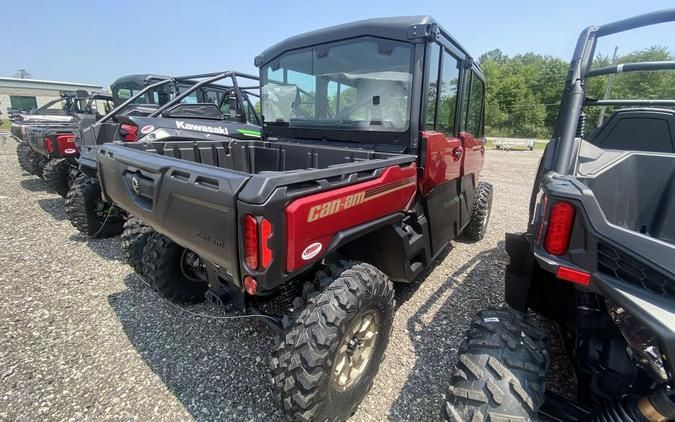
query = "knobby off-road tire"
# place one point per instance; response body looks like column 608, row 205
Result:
column 501, row 370
column 81, row 202
column 134, row 238
column 37, row 164
column 480, row 215
column 307, row 358
column 56, row 174
column 23, row 156
column 162, row 260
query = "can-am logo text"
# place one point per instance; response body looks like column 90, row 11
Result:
column 201, row 128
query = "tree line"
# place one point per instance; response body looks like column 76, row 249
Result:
column 523, row 92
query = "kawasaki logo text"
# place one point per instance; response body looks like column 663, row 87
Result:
column 201, row 128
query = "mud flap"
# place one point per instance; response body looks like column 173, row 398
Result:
column 519, row 271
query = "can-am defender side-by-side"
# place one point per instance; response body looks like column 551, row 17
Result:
column 598, row 260
column 52, row 145
column 193, row 106
column 368, row 168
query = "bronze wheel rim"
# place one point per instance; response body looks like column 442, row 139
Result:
column 356, row 350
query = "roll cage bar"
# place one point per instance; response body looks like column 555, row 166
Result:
column 208, row 79
column 574, row 95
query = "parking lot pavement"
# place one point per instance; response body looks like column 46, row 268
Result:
column 84, row 339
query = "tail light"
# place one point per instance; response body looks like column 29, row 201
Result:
column 265, row 234
column 575, row 276
column 49, row 145
column 129, row 133
column 251, row 242
column 250, row 285
column 66, row 144
column 559, row 228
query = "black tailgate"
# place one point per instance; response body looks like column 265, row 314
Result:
column 191, row 203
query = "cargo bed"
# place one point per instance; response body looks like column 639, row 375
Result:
column 190, row 190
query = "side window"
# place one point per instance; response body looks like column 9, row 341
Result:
column 250, row 115
column 432, row 90
column 447, row 100
column 475, row 107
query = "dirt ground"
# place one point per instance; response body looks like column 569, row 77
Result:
column 84, row 339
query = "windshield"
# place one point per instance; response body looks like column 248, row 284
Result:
column 363, row 84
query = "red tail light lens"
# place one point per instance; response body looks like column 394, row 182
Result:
column 265, row 234
column 250, row 285
column 129, row 133
column 66, row 144
column 251, row 242
column 559, row 228
column 575, row 276
column 49, row 145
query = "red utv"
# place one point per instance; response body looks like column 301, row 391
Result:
column 368, row 168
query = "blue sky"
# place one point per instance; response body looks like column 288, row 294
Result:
column 95, row 41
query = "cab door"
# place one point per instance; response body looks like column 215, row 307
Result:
column 442, row 148
column 471, row 125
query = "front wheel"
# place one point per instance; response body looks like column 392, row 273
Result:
column 501, row 370
column 57, row 175
column 176, row 273
column 89, row 213
column 327, row 359
column 134, row 238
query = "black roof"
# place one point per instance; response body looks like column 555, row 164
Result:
column 400, row 28
column 139, row 78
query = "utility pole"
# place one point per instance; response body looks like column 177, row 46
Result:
column 608, row 88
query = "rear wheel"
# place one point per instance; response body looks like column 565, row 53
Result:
column 89, row 213
column 480, row 215
column 57, row 175
column 23, row 155
column 174, row 272
column 134, row 238
column 501, row 370
column 325, row 362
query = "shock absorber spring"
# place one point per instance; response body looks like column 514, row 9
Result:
column 581, row 127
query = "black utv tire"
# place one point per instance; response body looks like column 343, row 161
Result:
column 134, row 238
column 81, row 203
column 501, row 370
column 480, row 215
column 37, row 164
column 162, row 263
column 307, row 356
column 24, row 156
column 56, row 173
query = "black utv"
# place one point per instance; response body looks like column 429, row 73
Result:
column 160, row 107
column 597, row 260
column 53, row 152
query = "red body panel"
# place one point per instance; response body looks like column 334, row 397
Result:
column 474, row 154
column 313, row 221
column 443, row 160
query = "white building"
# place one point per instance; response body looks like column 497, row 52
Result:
column 27, row 94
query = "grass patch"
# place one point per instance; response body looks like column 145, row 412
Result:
column 4, row 125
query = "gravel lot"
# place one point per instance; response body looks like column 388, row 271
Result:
column 84, row 339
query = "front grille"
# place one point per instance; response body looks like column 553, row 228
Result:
column 618, row 264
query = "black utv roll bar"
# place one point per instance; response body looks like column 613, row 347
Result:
column 211, row 77
column 573, row 98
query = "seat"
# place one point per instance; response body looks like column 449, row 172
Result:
column 637, row 129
